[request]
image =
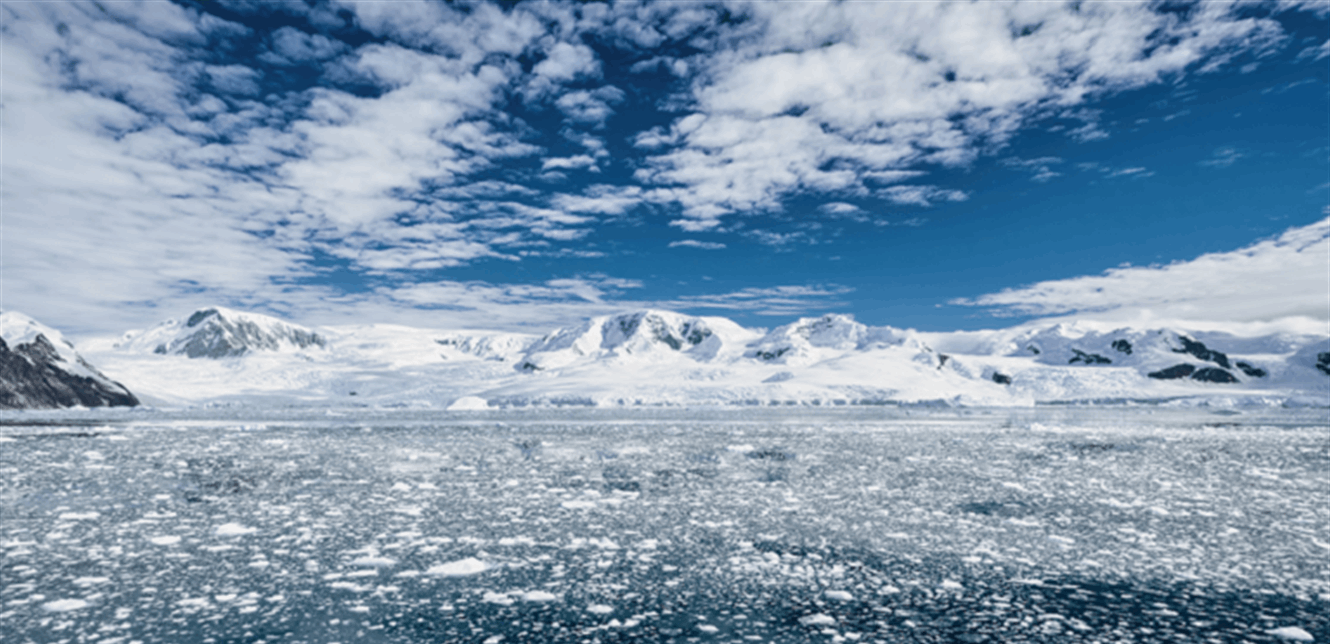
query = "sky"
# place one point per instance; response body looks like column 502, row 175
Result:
column 526, row 165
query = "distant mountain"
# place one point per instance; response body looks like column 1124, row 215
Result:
column 809, row 339
column 655, row 357
column 640, row 335
column 39, row 369
column 222, row 333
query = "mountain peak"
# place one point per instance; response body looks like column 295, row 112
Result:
column 217, row 332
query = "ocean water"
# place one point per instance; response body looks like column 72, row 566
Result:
column 1132, row 524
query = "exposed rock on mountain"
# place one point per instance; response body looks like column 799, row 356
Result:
column 1213, row 374
column 39, row 369
column 1173, row 373
column 1253, row 371
column 1323, row 362
column 1202, row 352
column 222, row 333
column 1087, row 358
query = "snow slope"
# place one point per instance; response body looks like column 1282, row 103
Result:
column 39, row 368
column 653, row 357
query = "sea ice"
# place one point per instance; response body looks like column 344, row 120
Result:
column 818, row 619
column 1291, row 633
column 233, row 530
column 62, row 605
column 461, row 567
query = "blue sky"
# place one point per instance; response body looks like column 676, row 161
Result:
column 526, row 165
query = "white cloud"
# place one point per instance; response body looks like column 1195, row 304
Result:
column 1223, row 158
column 693, row 243
column 589, row 107
column 1276, row 278
column 578, row 162
column 774, row 301
column 816, row 96
column 1041, row 168
column 920, row 195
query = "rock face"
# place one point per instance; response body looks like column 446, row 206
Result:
column 1323, row 362
column 1200, row 351
column 1173, row 373
column 41, row 370
column 223, row 333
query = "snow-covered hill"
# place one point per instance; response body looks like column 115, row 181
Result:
column 653, row 357
column 39, row 369
column 222, row 333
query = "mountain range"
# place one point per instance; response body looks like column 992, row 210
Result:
column 217, row 356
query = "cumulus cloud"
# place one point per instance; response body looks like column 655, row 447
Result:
column 1274, row 278
column 814, row 96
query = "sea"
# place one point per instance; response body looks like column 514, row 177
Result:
column 1066, row 524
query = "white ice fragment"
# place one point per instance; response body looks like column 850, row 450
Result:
column 469, row 403
column 234, row 530
column 402, row 487
column 1061, row 539
column 952, row 585
column 461, row 567
column 374, row 562
column 578, row 505
column 165, row 540
column 62, row 605
column 707, row 628
column 839, row 595
column 600, row 609
column 493, row 639
column 538, row 596
column 91, row 581
column 78, row 516
column 818, row 619
column 501, row 599
column 1291, row 633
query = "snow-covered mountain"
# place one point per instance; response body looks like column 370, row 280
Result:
column 39, row 369
column 653, row 357
column 637, row 336
column 222, row 333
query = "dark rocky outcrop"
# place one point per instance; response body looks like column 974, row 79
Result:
column 1122, row 346
column 1001, row 378
column 1251, row 370
column 1213, row 374
column 1323, row 362
column 1173, row 373
column 1088, row 358
column 32, row 377
column 1202, row 352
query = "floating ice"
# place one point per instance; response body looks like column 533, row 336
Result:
column 707, row 628
column 79, row 516
column 839, row 595
column 234, row 530
column 1291, row 633
column 459, row 568
column 62, row 605
column 600, row 609
column 469, row 403
column 538, row 596
column 165, row 540
column 952, row 585
column 819, row 619
column 501, row 599
column 374, row 562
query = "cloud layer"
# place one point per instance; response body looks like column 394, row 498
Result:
column 160, row 153
column 1288, row 276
